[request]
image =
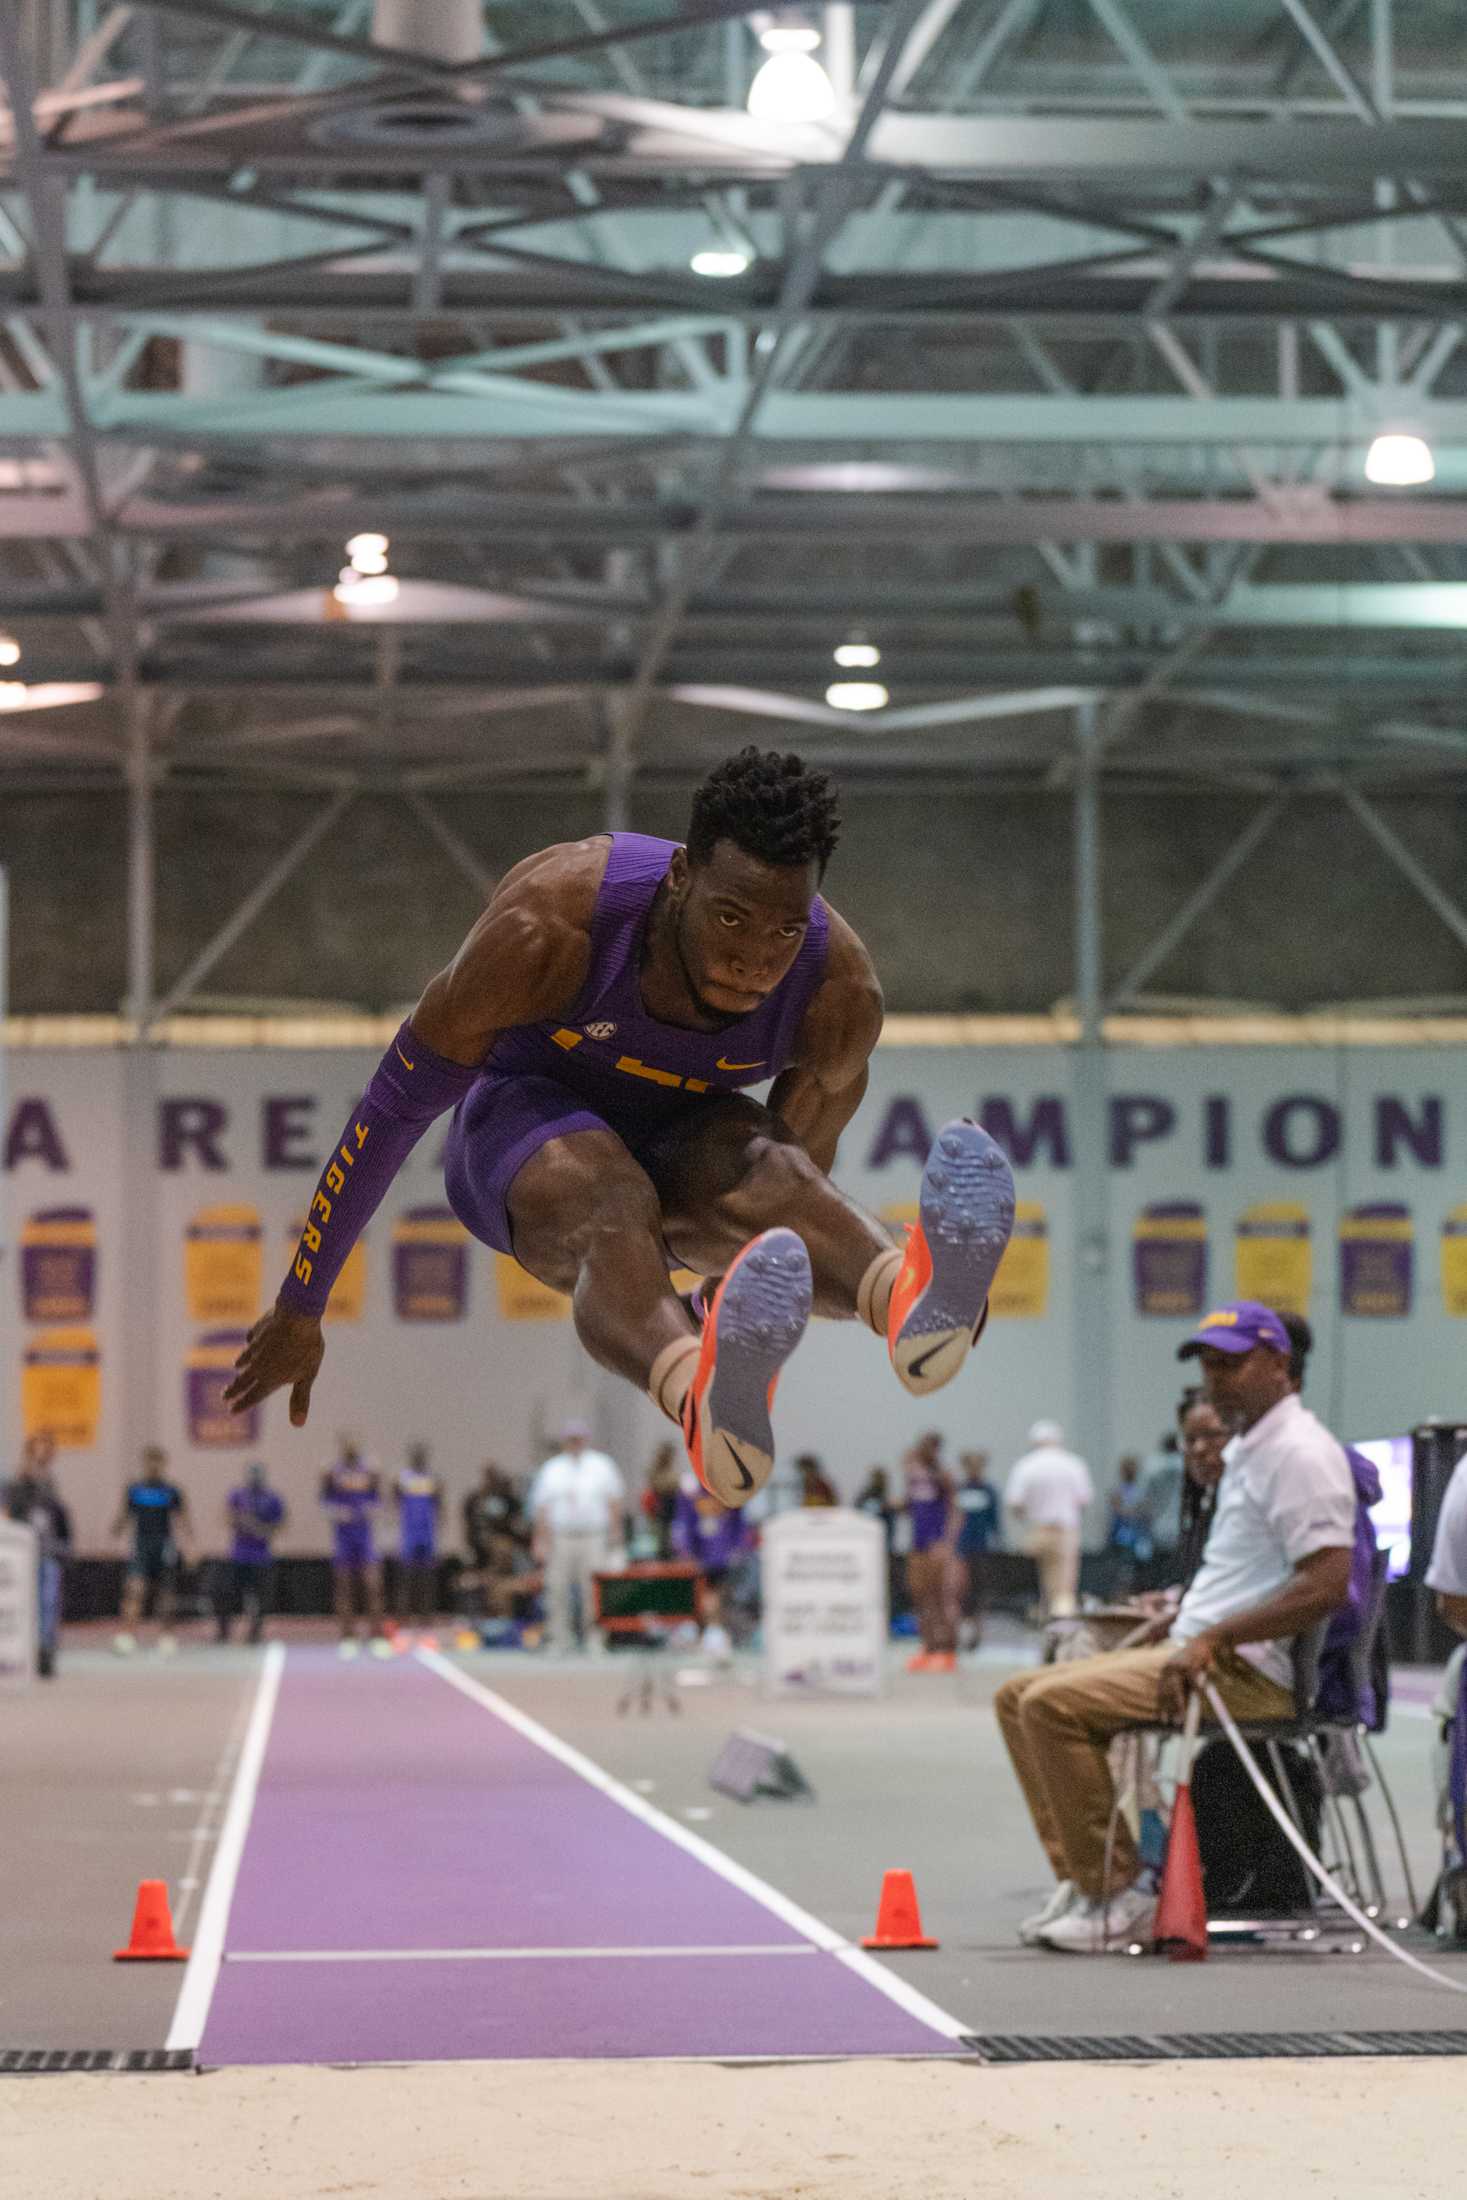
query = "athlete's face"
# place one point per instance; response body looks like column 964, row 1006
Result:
column 738, row 925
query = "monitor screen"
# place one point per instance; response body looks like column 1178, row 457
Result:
column 1391, row 1518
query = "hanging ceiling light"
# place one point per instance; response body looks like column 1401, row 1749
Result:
column 857, row 656
column 856, row 695
column 791, row 86
column 9, row 650
column 1398, row 459
column 720, row 263
column 360, row 591
column 368, row 553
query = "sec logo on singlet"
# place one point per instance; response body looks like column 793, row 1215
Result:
column 600, row 1031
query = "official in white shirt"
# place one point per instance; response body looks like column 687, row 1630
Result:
column 577, row 1507
column 1047, row 1491
column 1277, row 1561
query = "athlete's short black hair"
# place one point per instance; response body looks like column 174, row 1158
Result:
column 769, row 805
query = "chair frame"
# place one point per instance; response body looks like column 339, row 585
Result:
column 1319, row 1928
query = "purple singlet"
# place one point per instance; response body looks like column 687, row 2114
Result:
column 609, row 1065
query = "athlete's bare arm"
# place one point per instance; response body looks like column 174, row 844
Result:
column 524, row 960
column 820, row 1091
column 526, row 957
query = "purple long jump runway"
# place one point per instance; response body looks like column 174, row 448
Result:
column 422, row 1882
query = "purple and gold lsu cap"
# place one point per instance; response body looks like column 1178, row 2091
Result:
column 1237, row 1328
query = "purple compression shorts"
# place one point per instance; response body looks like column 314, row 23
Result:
column 506, row 1119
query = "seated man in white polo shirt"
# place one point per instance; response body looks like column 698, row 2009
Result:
column 1277, row 1561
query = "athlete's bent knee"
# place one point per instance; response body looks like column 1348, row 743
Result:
column 777, row 1176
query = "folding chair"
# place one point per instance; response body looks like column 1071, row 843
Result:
column 1355, row 1857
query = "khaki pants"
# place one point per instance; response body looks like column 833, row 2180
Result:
column 1056, row 1552
column 1058, row 1723
column 572, row 1561
column 929, row 1584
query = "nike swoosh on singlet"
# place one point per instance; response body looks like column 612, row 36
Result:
column 738, row 1065
column 402, row 1057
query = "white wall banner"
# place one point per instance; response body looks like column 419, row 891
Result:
column 153, row 1197
column 825, row 1618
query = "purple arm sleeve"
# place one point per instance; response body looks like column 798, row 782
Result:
column 410, row 1087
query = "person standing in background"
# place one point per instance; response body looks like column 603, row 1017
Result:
column 934, row 1524
column 578, row 1513
column 1048, row 1490
column 254, row 1515
column 493, row 1512
column 713, row 1538
column 875, row 1501
column 155, row 1511
column 351, row 1491
column 661, row 1501
column 816, row 1487
column 979, row 1525
column 34, row 1500
column 1128, row 1542
column 419, row 1495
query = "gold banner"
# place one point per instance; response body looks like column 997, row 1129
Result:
column 1021, row 1287
column 1454, row 1263
column 223, row 1264
column 1274, row 1256
column 61, row 1387
column 522, row 1297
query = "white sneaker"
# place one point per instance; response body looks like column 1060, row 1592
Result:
column 167, row 1646
column 124, row 1644
column 1065, row 1898
column 717, row 1644
column 380, row 1647
column 348, row 1647
column 1099, row 1928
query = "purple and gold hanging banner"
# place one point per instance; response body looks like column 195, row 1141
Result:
column 1274, row 1256
column 430, row 1266
column 348, row 1299
column 1169, row 1258
column 1454, row 1263
column 223, row 1261
column 206, row 1377
column 1376, row 1259
column 523, row 1297
column 1021, row 1287
column 61, row 1387
column 58, row 1265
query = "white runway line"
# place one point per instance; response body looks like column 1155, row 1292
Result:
column 810, row 1927
column 199, row 1980
column 508, row 1955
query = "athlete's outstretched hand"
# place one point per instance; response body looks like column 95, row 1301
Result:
column 283, row 1347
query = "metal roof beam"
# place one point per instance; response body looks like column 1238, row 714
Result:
column 511, row 410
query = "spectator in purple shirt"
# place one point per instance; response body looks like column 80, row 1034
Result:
column 712, row 1537
column 255, row 1515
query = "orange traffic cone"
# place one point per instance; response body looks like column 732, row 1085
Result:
column 1181, row 1909
column 898, row 1920
column 152, row 1928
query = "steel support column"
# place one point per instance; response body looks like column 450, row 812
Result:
column 1091, row 1358
column 141, row 976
